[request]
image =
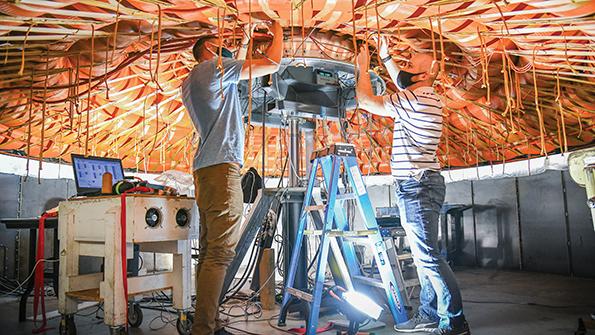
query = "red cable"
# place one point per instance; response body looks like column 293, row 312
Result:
column 303, row 330
column 38, row 292
column 39, row 295
column 123, row 252
column 123, row 241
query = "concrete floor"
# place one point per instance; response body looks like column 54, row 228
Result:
column 496, row 303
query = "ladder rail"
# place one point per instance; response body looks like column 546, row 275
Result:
column 324, row 248
column 341, row 222
column 298, row 242
column 395, row 300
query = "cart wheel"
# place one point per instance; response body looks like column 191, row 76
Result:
column 184, row 324
column 118, row 331
column 135, row 315
column 67, row 325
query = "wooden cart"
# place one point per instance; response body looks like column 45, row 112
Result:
column 92, row 227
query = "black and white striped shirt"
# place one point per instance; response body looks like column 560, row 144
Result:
column 417, row 131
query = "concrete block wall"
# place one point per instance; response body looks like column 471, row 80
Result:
column 535, row 223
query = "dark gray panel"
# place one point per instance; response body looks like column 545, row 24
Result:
column 9, row 204
column 42, row 195
column 9, row 195
column 496, row 218
column 38, row 196
column 582, row 235
column 543, row 224
column 460, row 193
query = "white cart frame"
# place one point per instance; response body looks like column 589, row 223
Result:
column 92, row 227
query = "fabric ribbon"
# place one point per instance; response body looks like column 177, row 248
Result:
column 38, row 292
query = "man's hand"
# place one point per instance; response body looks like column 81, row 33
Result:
column 381, row 45
column 272, row 57
column 385, row 58
column 248, row 31
column 363, row 90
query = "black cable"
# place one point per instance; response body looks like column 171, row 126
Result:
column 242, row 282
column 167, row 298
column 142, row 262
column 253, row 260
column 314, row 258
column 283, row 169
column 95, row 311
column 241, row 330
column 245, row 276
column 251, row 264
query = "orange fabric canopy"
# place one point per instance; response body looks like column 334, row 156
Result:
column 102, row 77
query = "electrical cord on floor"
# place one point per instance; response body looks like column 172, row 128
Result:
column 8, row 287
column 163, row 309
column 245, row 307
column 278, row 328
column 252, row 261
column 30, row 275
column 249, row 301
column 268, row 320
column 235, row 289
column 95, row 311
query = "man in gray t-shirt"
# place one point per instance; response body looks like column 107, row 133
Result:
column 210, row 94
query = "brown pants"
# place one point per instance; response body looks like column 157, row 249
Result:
column 219, row 199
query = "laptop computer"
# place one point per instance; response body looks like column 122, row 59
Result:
column 89, row 170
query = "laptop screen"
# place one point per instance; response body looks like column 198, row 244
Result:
column 88, row 172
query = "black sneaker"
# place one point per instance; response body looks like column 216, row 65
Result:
column 416, row 324
column 464, row 330
column 222, row 331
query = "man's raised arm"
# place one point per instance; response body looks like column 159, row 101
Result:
column 365, row 96
column 270, row 64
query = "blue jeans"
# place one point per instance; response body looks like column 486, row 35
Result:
column 419, row 203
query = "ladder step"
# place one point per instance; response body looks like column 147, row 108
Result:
column 404, row 257
column 346, row 196
column 375, row 282
column 369, row 281
column 398, row 233
column 343, row 233
column 411, row 282
column 315, row 208
column 299, row 294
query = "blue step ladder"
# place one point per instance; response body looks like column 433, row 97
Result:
column 336, row 236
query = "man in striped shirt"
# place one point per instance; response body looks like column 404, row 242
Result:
column 417, row 112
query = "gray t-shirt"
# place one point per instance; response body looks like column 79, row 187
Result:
column 217, row 120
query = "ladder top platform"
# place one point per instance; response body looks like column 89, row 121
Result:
column 339, row 149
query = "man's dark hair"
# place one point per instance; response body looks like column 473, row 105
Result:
column 197, row 48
